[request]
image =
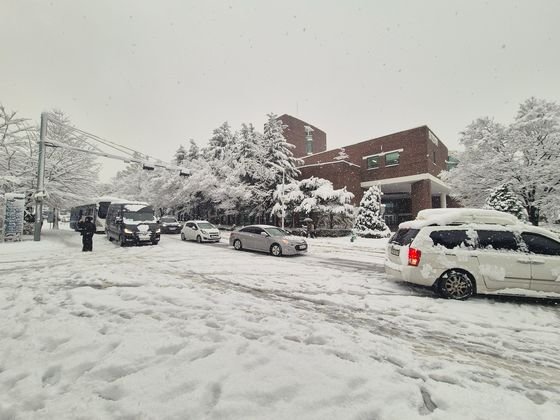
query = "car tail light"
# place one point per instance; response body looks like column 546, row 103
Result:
column 414, row 256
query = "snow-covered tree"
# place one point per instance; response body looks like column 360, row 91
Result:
column 315, row 197
column 69, row 175
column 369, row 222
column 221, row 139
column 18, row 161
column 503, row 199
column 289, row 194
column 194, row 151
column 524, row 155
column 277, row 151
column 132, row 182
column 180, row 155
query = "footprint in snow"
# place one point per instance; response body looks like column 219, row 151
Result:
column 51, row 375
column 212, row 324
column 315, row 339
column 112, row 393
column 202, row 353
column 212, row 395
column 536, row 397
column 171, row 349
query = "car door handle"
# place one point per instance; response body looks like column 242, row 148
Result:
column 523, row 261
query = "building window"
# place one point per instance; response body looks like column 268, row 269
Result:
column 434, row 156
column 373, row 162
column 308, row 140
column 392, row 158
column 451, row 163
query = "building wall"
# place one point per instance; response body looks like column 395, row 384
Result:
column 341, row 174
column 295, row 134
column 417, row 156
column 421, row 196
column 419, row 148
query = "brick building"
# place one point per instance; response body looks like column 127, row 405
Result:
column 307, row 138
column 405, row 165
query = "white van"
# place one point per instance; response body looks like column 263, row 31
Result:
column 461, row 252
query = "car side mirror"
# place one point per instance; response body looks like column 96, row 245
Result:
column 264, row 234
column 194, row 228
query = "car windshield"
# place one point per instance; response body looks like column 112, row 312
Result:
column 276, row 232
column 139, row 216
column 206, row 225
column 168, row 220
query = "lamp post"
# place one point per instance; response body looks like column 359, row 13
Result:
column 282, row 195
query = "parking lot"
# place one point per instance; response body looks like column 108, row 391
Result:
column 187, row 330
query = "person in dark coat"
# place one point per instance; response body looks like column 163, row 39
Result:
column 310, row 229
column 87, row 230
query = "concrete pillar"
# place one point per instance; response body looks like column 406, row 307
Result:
column 421, row 196
column 443, row 200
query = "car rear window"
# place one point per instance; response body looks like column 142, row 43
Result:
column 451, row 238
column 539, row 244
column 404, row 236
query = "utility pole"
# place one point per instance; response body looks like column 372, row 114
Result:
column 282, row 197
column 40, row 193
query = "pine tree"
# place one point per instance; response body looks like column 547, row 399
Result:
column 369, row 222
column 194, row 151
column 180, row 155
column 277, row 149
column 504, row 199
column 222, row 138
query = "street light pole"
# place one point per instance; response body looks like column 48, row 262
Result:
column 283, row 184
column 282, row 196
column 39, row 195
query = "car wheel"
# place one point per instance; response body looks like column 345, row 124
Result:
column 456, row 285
column 121, row 240
column 155, row 242
column 237, row 245
column 199, row 239
column 276, row 250
column 109, row 237
column 183, row 237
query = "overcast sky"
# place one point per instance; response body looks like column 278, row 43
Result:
column 153, row 74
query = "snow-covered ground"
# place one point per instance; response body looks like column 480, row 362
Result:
column 189, row 331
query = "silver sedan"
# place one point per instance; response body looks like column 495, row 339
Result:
column 267, row 239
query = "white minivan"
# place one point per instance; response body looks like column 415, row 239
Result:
column 461, row 252
column 200, row 231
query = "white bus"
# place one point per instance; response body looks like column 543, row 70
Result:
column 96, row 209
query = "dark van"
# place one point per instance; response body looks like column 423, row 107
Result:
column 132, row 222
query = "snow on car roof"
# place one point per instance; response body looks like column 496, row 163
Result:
column 130, row 202
column 460, row 216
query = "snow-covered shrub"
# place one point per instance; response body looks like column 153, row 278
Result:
column 504, row 199
column 369, row 222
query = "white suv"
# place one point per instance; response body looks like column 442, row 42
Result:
column 461, row 252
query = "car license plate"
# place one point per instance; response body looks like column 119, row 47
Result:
column 302, row 247
column 395, row 251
